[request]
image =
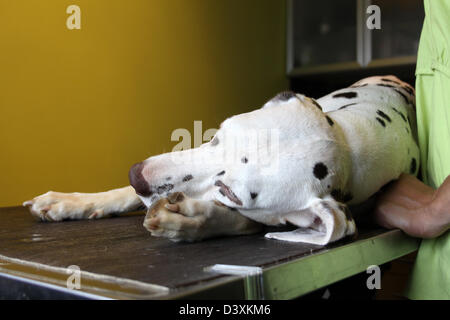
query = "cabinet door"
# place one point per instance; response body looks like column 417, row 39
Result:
column 322, row 35
column 398, row 38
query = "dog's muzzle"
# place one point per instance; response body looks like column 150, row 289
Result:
column 137, row 180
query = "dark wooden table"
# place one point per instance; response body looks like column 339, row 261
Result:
column 118, row 258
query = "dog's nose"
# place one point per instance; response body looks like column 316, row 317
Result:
column 138, row 181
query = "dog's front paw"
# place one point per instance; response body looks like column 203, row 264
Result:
column 57, row 206
column 177, row 218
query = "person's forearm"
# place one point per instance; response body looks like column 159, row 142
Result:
column 427, row 223
column 415, row 208
column 440, row 203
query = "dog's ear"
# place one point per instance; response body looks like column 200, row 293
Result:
column 330, row 221
column 281, row 98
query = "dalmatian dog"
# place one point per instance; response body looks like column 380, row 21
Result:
column 328, row 154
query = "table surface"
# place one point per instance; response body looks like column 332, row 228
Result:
column 119, row 259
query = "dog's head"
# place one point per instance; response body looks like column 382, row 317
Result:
column 263, row 159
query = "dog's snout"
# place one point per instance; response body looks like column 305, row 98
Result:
column 138, row 181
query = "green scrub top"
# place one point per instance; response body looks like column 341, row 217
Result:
column 431, row 273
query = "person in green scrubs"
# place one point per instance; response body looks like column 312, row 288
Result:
column 422, row 209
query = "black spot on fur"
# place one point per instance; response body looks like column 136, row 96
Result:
column 400, row 114
column 385, row 85
column 403, row 95
column 284, row 96
column 347, row 105
column 320, row 170
column 348, row 197
column 408, row 89
column 244, row 160
column 348, row 95
column 381, row 122
column 413, row 166
column 346, row 210
column 340, row 196
column 383, row 115
column 316, row 104
column 253, row 195
column 330, row 122
column 168, row 178
column 389, row 80
column 188, row 177
column 221, row 173
column 164, row 188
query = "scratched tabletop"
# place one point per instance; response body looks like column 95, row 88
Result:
column 121, row 247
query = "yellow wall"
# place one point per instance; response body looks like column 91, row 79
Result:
column 78, row 107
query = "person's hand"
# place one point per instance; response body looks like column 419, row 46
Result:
column 415, row 208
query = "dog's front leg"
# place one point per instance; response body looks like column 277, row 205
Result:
column 58, row 206
column 180, row 218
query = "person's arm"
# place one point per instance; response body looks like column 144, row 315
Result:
column 415, row 208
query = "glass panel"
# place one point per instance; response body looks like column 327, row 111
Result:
column 324, row 32
column 401, row 24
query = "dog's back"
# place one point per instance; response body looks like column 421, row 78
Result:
column 376, row 118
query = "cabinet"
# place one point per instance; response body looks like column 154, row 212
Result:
column 329, row 35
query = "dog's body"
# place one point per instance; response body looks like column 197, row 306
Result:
column 335, row 151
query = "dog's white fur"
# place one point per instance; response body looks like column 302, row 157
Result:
column 364, row 137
